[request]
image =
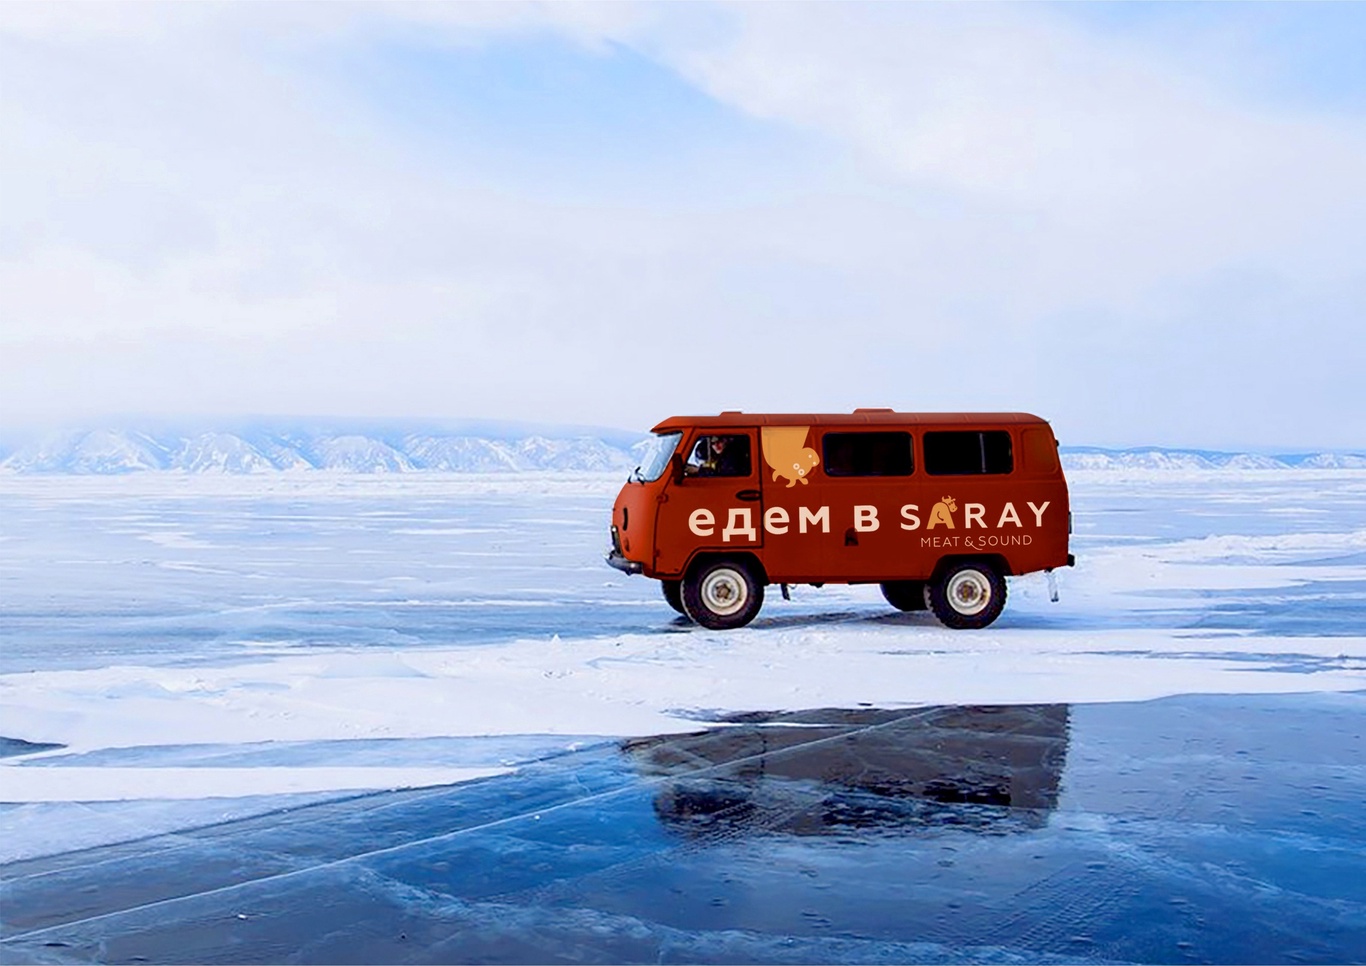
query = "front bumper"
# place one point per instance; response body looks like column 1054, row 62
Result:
column 615, row 559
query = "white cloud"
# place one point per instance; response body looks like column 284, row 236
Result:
column 1013, row 107
column 995, row 208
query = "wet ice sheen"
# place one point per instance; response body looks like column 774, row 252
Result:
column 1202, row 829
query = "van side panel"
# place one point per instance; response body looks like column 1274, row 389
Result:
column 1020, row 516
column 874, row 528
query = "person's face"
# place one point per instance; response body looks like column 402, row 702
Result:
column 718, row 443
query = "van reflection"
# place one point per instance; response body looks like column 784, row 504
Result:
column 993, row 769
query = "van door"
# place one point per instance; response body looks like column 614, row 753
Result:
column 797, row 511
column 716, row 504
column 871, row 480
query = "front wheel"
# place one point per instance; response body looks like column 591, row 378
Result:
column 722, row 594
column 673, row 593
column 967, row 595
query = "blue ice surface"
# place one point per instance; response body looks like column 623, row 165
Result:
column 1203, row 829
column 87, row 584
column 112, row 571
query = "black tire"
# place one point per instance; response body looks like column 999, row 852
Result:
column 673, row 593
column 905, row 594
column 722, row 594
column 968, row 595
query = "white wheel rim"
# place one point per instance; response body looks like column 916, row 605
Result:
column 724, row 592
column 968, row 592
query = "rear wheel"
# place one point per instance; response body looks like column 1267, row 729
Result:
column 673, row 593
column 967, row 595
column 905, row 594
column 722, row 594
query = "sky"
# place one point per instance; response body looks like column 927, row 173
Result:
column 1144, row 222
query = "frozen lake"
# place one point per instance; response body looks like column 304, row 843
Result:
column 182, row 657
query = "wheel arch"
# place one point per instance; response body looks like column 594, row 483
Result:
column 995, row 561
column 751, row 560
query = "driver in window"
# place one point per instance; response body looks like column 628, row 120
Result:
column 719, row 456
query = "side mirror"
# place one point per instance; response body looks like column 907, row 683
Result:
column 676, row 468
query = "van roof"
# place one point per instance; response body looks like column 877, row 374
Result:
column 859, row 417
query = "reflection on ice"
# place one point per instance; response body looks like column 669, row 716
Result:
column 1218, row 829
column 995, row 769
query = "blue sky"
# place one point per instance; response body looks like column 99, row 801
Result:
column 1298, row 55
column 1142, row 221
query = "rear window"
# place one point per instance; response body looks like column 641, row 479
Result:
column 960, row 453
column 867, row 454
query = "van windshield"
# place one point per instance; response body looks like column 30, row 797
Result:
column 656, row 457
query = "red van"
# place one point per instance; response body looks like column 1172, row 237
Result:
column 938, row 508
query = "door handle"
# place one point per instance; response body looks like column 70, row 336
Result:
column 747, row 495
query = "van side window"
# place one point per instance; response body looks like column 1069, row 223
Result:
column 867, row 454
column 719, row 456
column 960, row 453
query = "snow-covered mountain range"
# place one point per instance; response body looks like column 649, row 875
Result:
column 356, row 450
column 1162, row 458
column 484, row 448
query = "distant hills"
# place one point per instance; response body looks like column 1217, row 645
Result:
column 1160, row 458
column 468, row 448
column 347, row 449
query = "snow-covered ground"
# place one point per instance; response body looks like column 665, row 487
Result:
column 199, row 647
